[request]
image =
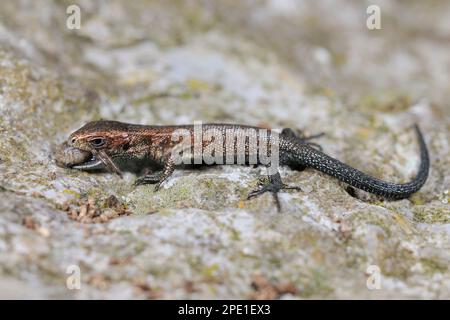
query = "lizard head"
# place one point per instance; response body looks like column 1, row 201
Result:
column 103, row 140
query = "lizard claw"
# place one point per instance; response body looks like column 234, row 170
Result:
column 286, row 187
column 274, row 186
column 261, row 190
column 158, row 186
column 264, row 189
column 149, row 179
column 270, row 188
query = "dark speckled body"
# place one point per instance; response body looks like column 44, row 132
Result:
column 316, row 159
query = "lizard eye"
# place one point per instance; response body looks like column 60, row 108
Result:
column 97, row 142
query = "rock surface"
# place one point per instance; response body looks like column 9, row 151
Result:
column 308, row 65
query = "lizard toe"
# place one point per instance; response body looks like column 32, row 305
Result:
column 152, row 179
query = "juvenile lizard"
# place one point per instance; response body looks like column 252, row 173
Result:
column 98, row 143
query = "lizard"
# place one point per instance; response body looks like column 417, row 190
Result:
column 99, row 143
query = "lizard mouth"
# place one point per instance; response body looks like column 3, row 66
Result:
column 70, row 157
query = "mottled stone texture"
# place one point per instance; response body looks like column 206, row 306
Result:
column 311, row 65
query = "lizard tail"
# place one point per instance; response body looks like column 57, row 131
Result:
column 320, row 161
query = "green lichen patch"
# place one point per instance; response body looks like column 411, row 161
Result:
column 432, row 214
column 389, row 102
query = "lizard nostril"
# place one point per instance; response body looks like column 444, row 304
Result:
column 72, row 141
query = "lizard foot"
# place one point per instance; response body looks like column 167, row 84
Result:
column 274, row 186
column 157, row 178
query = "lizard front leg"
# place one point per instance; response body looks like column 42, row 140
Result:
column 159, row 177
column 169, row 163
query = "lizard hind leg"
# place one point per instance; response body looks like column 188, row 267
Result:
column 274, row 186
column 300, row 136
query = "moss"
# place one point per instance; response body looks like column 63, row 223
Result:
column 368, row 217
column 186, row 192
column 72, row 193
column 404, row 224
column 99, row 194
column 234, row 234
column 322, row 91
column 396, row 261
column 433, row 266
column 317, row 284
column 418, row 198
column 179, row 92
column 386, row 102
column 339, row 59
column 444, row 197
column 197, row 84
column 210, row 273
column 431, row 214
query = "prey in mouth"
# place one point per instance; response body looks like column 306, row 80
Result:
column 67, row 156
column 93, row 148
column 74, row 158
column 91, row 164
